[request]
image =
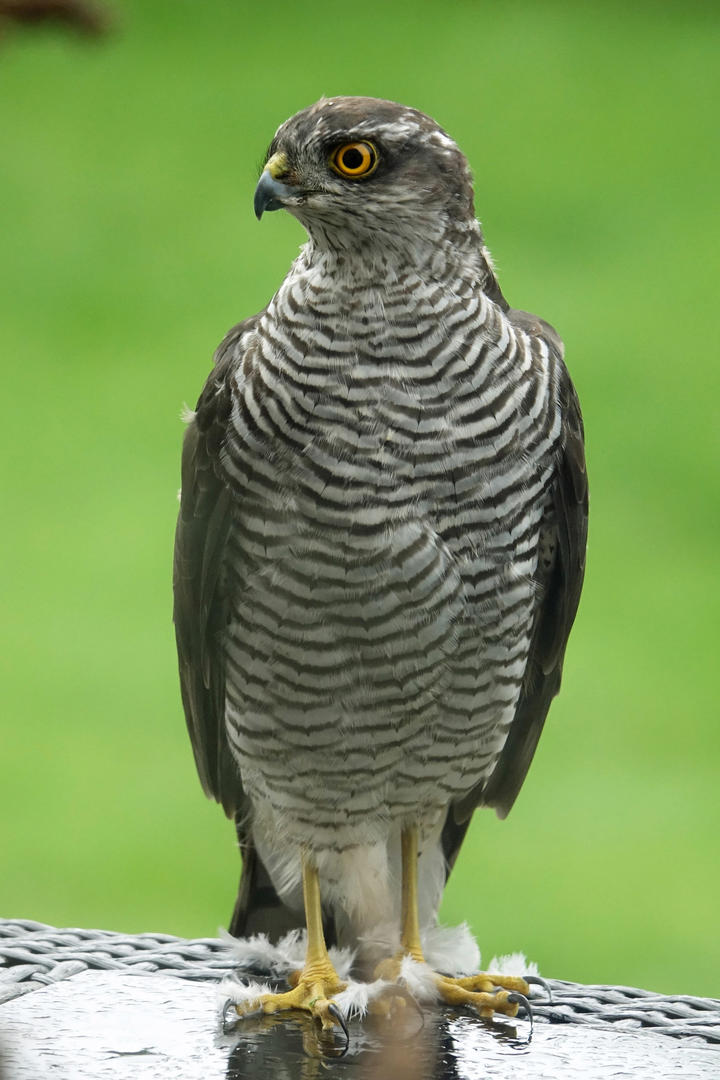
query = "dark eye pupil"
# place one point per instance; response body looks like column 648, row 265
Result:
column 352, row 158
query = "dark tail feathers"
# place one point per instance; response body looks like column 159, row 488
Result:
column 259, row 909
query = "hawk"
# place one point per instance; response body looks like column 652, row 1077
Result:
column 380, row 548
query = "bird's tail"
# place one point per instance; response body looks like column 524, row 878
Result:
column 258, row 908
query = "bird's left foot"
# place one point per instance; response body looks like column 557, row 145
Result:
column 488, row 994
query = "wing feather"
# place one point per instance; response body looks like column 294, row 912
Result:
column 565, row 525
column 566, row 518
column 199, row 585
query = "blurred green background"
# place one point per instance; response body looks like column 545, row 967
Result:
column 129, row 247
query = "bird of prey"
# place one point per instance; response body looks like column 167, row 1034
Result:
column 380, row 548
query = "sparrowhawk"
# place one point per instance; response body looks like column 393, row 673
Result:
column 380, row 547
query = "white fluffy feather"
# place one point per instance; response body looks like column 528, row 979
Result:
column 451, row 950
column 419, row 979
column 355, row 999
column 288, row 954
column 513, row 964
column 239, row 992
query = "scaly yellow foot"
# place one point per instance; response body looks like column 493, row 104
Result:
column 313, row 991
column 487, row 993
column 313, row 987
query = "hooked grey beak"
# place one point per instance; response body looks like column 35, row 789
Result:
column 269, row 194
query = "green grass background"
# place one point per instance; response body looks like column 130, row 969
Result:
column 128, row 247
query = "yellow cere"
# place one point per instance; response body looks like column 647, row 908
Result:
column 277, row 165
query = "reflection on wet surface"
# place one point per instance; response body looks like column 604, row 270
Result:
column 408, row 1048
column 110, row 1026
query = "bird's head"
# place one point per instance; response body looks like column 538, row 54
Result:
column 363, row 175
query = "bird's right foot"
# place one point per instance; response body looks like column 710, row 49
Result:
column 313, row 990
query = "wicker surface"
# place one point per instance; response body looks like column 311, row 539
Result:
column 33, row 956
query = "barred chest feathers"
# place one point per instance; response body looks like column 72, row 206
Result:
column 394, row 449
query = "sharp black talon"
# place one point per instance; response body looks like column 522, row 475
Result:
column 535, row 980
column 520, row 999
column 225, row 1026
column 337, row 1015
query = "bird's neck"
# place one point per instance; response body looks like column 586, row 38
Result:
column 380, row 313
column 451, row 253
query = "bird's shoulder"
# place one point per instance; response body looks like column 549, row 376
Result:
column 215, row 401
column 537, row 329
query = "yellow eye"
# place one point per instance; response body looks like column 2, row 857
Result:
column 354, row 159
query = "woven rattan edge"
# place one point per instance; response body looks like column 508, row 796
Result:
column 34, row 955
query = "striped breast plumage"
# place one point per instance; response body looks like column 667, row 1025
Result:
column 390, row 452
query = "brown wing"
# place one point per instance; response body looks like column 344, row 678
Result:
column 566, row 528
column 200, row 609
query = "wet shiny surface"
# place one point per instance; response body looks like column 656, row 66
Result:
column 109, row 1025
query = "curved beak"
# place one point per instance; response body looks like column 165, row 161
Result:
column 270, row 191
column 269, row 194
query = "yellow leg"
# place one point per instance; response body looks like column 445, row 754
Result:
column 486, row 993
column 410, row 924
column 317, row 961
column 313, row 987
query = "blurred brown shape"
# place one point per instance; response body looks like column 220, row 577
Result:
column 407, row 1047
column 81, row 15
